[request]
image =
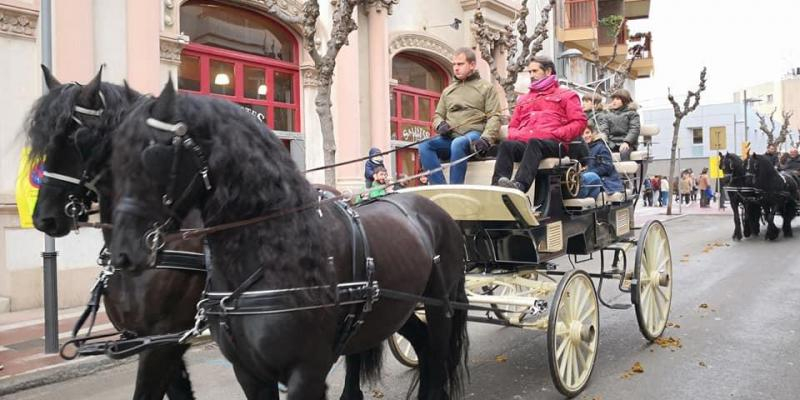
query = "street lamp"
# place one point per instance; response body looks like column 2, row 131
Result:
column 455, row 24
column 745, row 101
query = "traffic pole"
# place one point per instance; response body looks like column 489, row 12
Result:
column 49, row 256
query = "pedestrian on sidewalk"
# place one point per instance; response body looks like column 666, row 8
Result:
column 656, row 183
column 685, row 187
column 664, row 191
column 648, row 192
column 705, row 189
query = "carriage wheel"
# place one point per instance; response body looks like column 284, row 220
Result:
column 572, row 182
column 403, row 351
column 651, row 288
column 504, row 312
column 573, row 333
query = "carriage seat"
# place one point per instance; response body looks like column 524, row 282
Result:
column 646, row 131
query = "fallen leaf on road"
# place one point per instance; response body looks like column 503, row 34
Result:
column 637, row 368
column 669, row 342
column 673, row 325
column 702, row 364
column 704, row 305
column 501, row 358
column 377, row 394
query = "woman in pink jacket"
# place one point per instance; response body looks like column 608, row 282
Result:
column 545, row 121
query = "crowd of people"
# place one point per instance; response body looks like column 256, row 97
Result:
column 548, row 121
column 688, row 189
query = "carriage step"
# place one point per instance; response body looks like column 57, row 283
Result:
column 619, row 306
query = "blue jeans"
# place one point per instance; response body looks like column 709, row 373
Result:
column 591, row 185
column 441, row 148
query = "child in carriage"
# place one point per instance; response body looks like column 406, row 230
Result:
column 599, row 173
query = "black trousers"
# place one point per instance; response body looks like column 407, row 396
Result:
column 527, row 154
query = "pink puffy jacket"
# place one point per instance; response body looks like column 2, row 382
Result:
column 553, row 114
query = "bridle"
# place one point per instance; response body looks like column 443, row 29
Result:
column 171, row 201
column 77, row 204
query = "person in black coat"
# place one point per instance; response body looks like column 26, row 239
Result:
column 772, row 155
column 621, row 124
column 375, row 160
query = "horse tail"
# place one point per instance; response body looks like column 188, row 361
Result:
column 372, row 364
column 457, row 370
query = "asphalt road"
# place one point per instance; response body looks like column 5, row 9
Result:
column 734, row 311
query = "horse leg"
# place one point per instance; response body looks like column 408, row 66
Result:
column 158, row 368
column 254, row 388
column 439, row 327
column 753, row 214
column 180, row 387
column 352, row 379
column 737, row 230
column 416, row 332
column 772, row 230
column 787, row 215
column 307, row 383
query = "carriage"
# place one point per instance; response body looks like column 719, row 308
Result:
column 512, row 240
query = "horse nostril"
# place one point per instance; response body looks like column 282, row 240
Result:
column 45, row 224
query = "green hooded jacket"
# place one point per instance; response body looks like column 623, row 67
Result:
column 470, row 105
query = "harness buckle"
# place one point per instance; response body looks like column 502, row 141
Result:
column 154, row 239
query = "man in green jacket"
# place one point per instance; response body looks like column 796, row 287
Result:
column 467, row 117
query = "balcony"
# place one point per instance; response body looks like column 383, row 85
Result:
column 606, row 43
column 636, row 9
column 643, row 66
column 578, row 23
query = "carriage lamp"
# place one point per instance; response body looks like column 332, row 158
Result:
column 222, row 79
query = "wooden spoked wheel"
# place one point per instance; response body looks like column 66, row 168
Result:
column 651, row 287
column 403, row 351
column 573, row 333
column 572, row 182
column 507, row 312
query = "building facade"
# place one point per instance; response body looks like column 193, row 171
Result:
column 703, row 133
column 782, row 95
column 387, row 83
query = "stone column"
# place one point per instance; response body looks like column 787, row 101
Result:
column 379, row 75
column 144, row 21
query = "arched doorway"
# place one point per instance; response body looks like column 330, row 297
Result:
column 413, row 102
column 244, row 57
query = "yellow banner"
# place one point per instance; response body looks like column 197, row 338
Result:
column 713, row 168
column 29, row 178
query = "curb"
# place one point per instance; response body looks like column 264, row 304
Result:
column 73, row 369
column 59, row 373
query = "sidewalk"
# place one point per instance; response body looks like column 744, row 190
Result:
column 645, row 214
column 24, row 363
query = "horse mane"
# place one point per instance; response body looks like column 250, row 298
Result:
column 768, row 177
column 252, row 174
column 51, row 115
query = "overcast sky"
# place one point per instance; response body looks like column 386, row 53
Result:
column 742, row 42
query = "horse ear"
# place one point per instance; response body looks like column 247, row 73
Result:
column 49, row 79
column 164, row 107
column 720, row 154
column 90, row 93
column 130, row 94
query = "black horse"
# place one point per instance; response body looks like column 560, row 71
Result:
column 70, row 128
column 780, row 194
column 749, row 220
column 231, row 167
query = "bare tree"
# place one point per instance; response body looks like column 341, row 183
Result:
column 769, row 128
column 520, row 47
column 689, row 105
column 603, row 67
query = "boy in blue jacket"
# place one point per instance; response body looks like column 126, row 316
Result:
column 599, row 173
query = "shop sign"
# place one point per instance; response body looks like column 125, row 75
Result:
column 415, row 133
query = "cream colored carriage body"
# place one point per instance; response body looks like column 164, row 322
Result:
column 519, row 289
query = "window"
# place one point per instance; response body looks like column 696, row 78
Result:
column 235, row 29
column 697, row 135
column 769, row 98
column 412, row 104
column 223, row 61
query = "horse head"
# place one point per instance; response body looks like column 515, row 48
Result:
column 67, row 130
column 163, row 171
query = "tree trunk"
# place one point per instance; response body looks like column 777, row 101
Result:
column 676, row 125
column 324, row 103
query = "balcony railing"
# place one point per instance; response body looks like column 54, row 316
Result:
column 580, row 14
column 604, row 35
column 641, row 43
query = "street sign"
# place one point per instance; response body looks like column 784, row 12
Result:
column 713, row 168
column 718, row 138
